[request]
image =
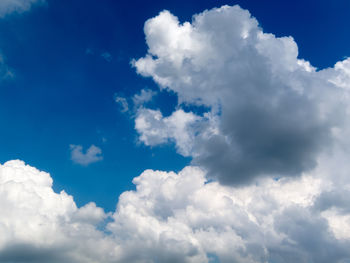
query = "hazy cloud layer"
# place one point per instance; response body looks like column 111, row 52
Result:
column 178, row 218
column 16, row 6
column 93, row 154
column 271, row 112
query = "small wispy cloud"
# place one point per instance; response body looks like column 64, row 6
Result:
column 16, row 6
column 123, row 103
column 143, row 97
column 5, row 71
column 107, row 56
column 92, row 155
column 102, row 53
column 89, row 51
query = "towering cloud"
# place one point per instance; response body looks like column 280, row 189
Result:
column 271, row 113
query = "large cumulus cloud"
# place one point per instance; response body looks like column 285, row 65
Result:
column 177, row 218
column 271, row 113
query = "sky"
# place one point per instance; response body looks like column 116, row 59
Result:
column 174, row 131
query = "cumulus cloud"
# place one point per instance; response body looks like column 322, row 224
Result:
column 93, row 154
column 175, row 218
column 156, row 129
column 17, row 6
column 271, row 113
column 39, row 225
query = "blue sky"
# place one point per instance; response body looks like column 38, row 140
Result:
column 63, row 90
column 264, row 117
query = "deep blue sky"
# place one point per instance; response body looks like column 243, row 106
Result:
column 61, row 94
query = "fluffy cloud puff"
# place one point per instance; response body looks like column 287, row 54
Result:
column 19, row 6
column 93, row 154
column 271, row 112
column 177, row 218
column 156, row 129
column 145, row 95
column 39, row 225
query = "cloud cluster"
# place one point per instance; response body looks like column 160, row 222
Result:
column 271, row 113
column 177, row 218
column 92, row 155
column 18, row 6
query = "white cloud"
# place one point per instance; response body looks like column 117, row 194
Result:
column 93, row 154
column 146, row 95
column 123, row 103
column 39, row 225
column 261, row 97
column 16, row 6
column 175, row 218
column 271, row 113
column 156, row 129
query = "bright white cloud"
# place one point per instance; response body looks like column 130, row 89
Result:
column 156, row 129
column 16, row 6
column 271, row 113
column 39, row 225
column 93, row 154
column 176, row 218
